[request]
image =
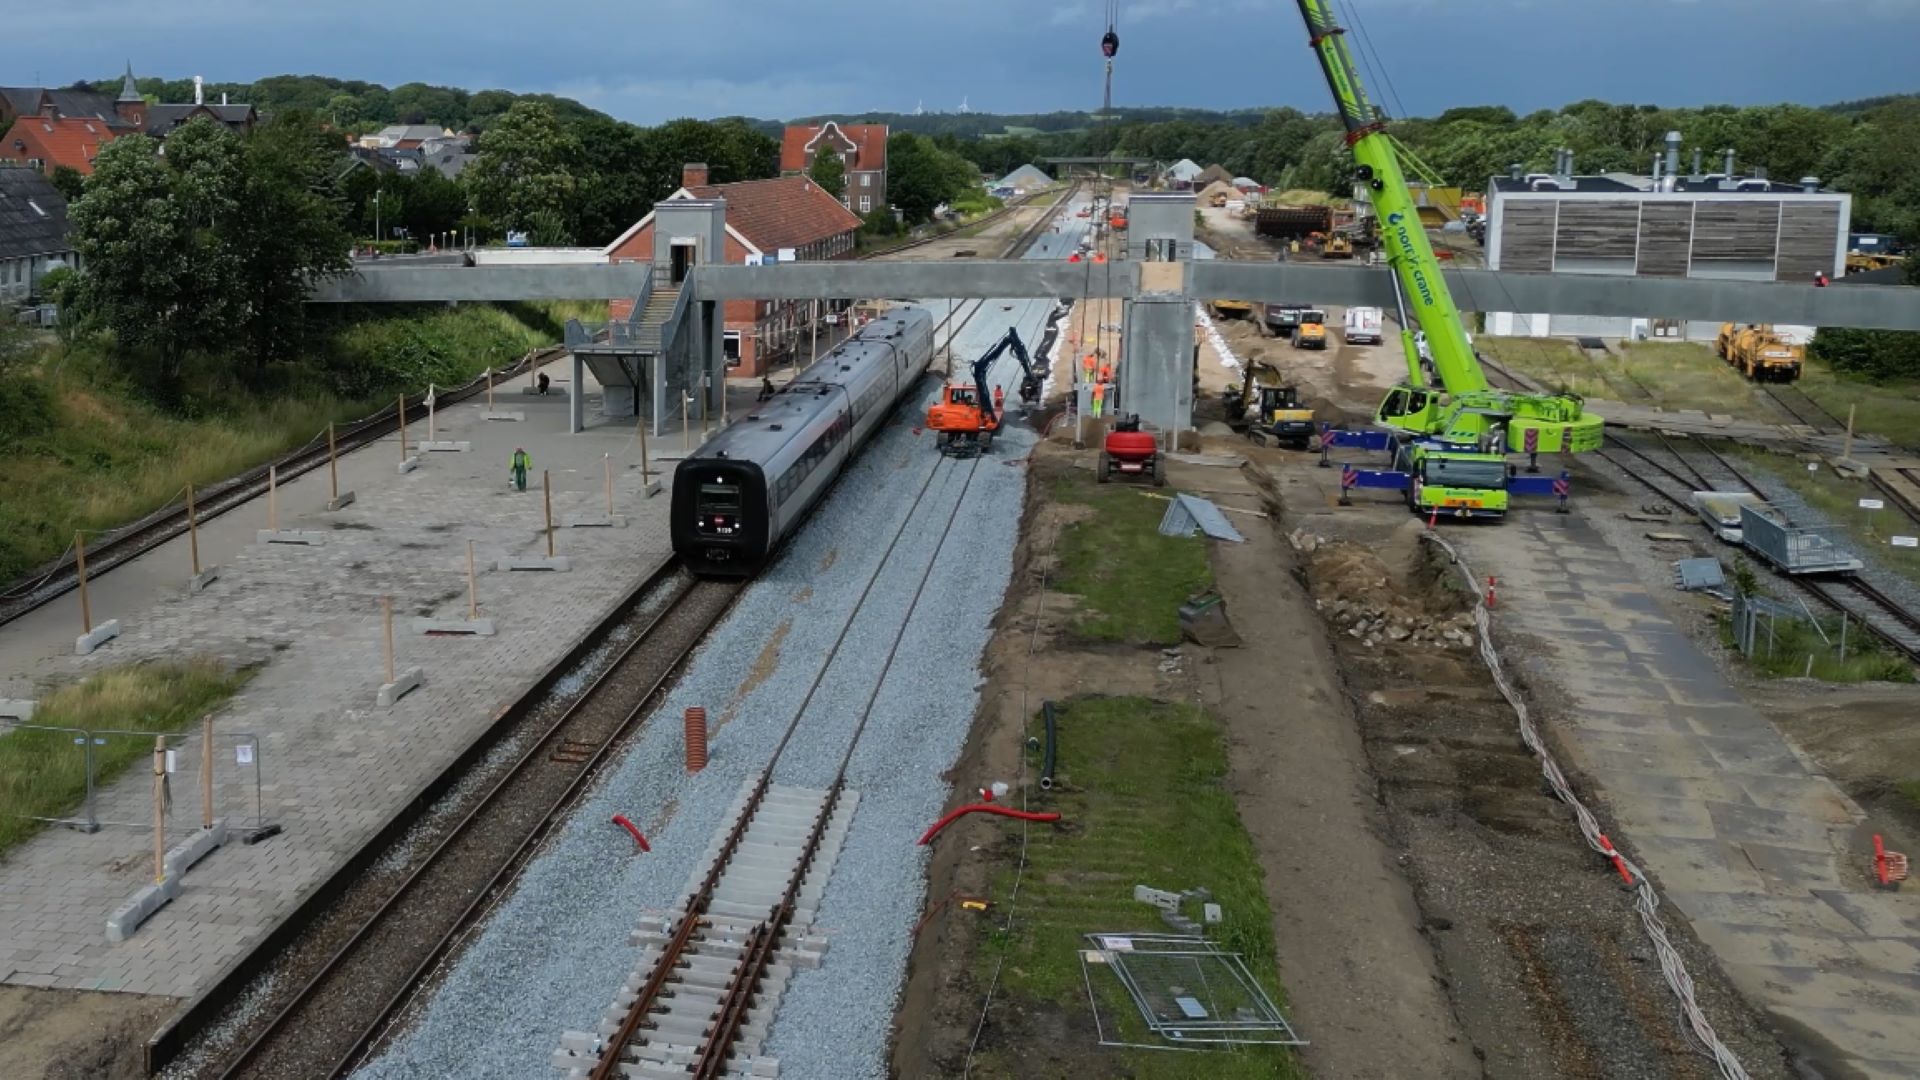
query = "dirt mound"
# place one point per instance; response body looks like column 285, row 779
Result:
column 1357, row 591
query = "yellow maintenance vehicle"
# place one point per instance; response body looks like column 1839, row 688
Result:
column 1232, row 309
column 1759, row 353
column 1311, row 332
column 1338, row 246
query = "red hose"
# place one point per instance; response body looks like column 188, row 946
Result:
column 982, row 808
column 621, row 820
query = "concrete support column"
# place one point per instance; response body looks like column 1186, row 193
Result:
column 1157, row 372
column 576, row 401
column 712, row 345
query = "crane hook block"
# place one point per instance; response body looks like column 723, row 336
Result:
column 1109, row 44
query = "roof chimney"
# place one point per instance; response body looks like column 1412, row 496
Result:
column 199, row 90
column 1515, row 171
column 1696, row 160
column 1728, row 169
column 223, row 97
column 1656, row 169
column 1673, row 153
column 1810, row 184
column 693, row 174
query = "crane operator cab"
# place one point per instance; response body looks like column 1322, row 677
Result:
column 1410, row 408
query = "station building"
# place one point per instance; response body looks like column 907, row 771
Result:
column 1668, row 224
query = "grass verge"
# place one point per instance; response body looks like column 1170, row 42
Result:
column 43, row 774
column 1131, row 579
column 1796, row 650
column 1144, row 795
column 106, row 455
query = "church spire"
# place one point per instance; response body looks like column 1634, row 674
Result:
column 128, row 91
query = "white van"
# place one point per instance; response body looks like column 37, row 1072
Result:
column 1363, row 326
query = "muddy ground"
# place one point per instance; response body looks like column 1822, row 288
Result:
column 70, row 1035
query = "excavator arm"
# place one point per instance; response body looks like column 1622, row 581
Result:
column 1029, row 382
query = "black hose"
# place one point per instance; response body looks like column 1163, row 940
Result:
column 1046, row 759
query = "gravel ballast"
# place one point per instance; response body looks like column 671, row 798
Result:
column 553, row 954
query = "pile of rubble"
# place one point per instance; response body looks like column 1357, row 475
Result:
column 1354, row 590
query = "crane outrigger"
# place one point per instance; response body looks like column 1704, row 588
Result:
column 1462, row 429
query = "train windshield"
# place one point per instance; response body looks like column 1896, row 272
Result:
column 718, row 508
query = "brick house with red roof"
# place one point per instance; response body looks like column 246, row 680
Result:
column 765, row 219
column 862, row 147
column 47, row 140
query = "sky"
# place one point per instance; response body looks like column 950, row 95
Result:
column 778, row 59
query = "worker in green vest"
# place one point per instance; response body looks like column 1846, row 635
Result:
column 522, row 464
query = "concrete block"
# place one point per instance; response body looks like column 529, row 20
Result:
column 100, row 635
column 1211, row 913
column 445, row 446
column 345, row 500
column 534, row 562
column 200, row 844
column 470, row 627
column 592, row 521
column 16, row 709
column 402, row 683
column 1160, row 898
column 140, row 907
column 292, row 537
column 514, row 415
column 199, row 582
column 652, row 489
column 412, row 463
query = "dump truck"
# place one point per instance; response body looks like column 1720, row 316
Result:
column 1232, row 309
column 1759, row 353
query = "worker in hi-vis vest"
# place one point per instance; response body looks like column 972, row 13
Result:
column 522, row 464
column 1099, row 398
column 1088, row 364
column 999, row 400
column 1106, row 372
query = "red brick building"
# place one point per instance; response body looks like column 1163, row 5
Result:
column 862, row 147
column 765, row 219
column 48, row 140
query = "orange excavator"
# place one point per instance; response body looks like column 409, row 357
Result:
column 966, row 417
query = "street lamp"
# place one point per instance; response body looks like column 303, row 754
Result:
column 469, row 224
column 376, row 220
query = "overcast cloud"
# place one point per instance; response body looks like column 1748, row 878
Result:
column 772, row 59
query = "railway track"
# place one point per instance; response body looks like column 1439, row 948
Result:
column 50, row 582
column 710, row 977
column 1860, row 599
column 1795, row 403
column 345, row 1003
column 1017, row 204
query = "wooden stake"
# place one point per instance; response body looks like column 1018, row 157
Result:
column 489, row 389
column 403, row 427
column 606, row 460
column 273, row 497
column 473, row 589
column 1846, row 452
column 546, row 491
column 206, row 771
column 80, row 568
column 159, row 808
column 386, row 617
column 430, row 412
column 193, row 532
column 333, row 467
column 686, row 425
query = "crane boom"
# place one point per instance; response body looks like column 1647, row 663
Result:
column 1405, row 239
column 1472, row 411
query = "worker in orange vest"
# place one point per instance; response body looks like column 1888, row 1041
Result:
column 1099, row 398
column 1106, row 372
column 999, row 401
column 1087, row 364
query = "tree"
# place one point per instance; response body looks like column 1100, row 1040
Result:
column 69, row 180
column 288, row 231
column 134, row 239
column 528, row 162
column 829, row 171
column 921, row 176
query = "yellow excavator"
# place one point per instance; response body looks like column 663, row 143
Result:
column 1338, row 246
column 1265, row 407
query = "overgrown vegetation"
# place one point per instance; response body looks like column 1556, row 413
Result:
column 1144, row 788
column 43, row 774
column 92, row 449
column 1793, row 648
column 1130, row 578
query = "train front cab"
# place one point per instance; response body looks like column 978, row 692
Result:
column 720, row 525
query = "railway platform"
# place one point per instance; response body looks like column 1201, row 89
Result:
column 332, row 767
column 1765, row 856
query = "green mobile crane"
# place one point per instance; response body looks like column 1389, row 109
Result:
column 1462, row 428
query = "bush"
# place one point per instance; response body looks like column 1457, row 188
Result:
column 372, row 357
column 1877, row 355
column 28, row 408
